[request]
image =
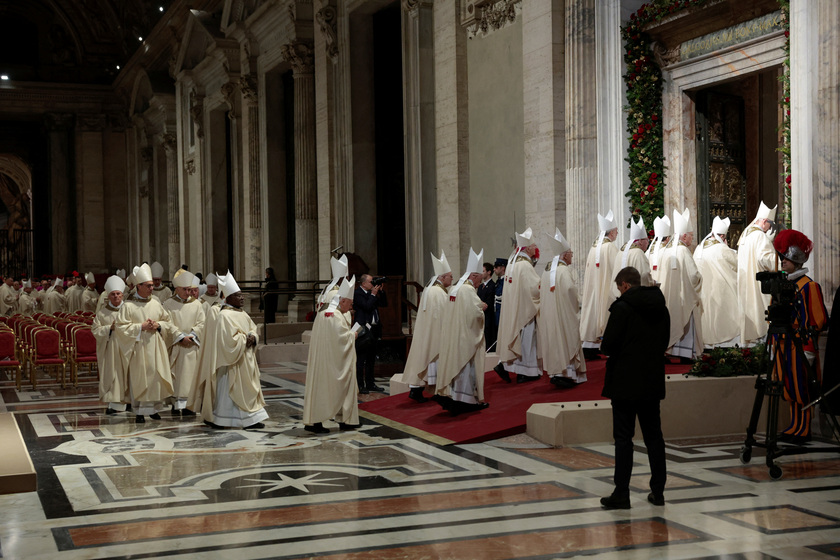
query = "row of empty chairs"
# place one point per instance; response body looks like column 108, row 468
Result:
column 49, row 342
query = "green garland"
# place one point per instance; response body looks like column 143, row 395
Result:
column 643, row 78
column 785, row 126
column 731, row 362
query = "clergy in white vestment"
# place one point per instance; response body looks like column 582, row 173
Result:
column 558, row 323
column 55, row 298
column 718, row 265
column 113, row 381
column 661, row 237
column 755, row 254
column 103, row 297
column 195, row 289
column 331, row 391
column 422, row 361
column 338, row 267
column 680, row 282
column 26, row 300
column 460, row 375
column 73, row 293
column 228, row 391
column 633, row 254
column 211, row 296
column 516, row 343
column 597, row 285
column 8, row 297
column 89, row 295
column 160, row 291
column 144, row 329
column 188, row 318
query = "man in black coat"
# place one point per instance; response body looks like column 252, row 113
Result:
column 635, row 340
column 365, row 304
column 487, row 293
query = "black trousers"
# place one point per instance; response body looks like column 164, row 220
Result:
column 624, row 427
column 366, row 359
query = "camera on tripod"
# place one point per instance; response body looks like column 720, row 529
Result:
column 378, row 280
column 783, row 294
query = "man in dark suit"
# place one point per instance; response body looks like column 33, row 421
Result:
column 365, row 304
column 487, row 293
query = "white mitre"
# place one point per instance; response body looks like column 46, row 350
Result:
column 441, row 265
column 157, row 270
column 474, row 265
column 228, row 284
column 637, row 231
column 211, row 280
column 719, row 229
column 558, row 246
column 182, row 279
column 680, row 222
column 766, row 213
column 142, row 273
column 525, row 239
column 114, row 284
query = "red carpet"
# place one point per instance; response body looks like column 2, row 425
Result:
column 506, row 415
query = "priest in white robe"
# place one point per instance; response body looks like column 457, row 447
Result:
column 331, row 389
column 8, row 297
column 161, row 292
column 718, row 265
column 460, row 382
column 680, row 282
column 422, row 361
column 113, row 380
column 188, row 319
column 73, row 294
column 755, row 254
column 228, row 391
column 661, row 237
column 558, row 322
column 338, row 267
column 211, row 296
column 143, row 330
column 26, row 300
column 90, row 296
column 55, row 298
column 633, row 254
column 597, row 286
column 103, row 297
column 516, row 343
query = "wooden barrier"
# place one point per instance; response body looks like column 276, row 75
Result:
column 17, row 473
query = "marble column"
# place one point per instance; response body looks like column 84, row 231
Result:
column 170, row 146
column 58, row 128
column 90, row 216
column 300, row 55
column 544, row 139
column 254, row 261
column 452, row 133
column 827, row 153
column 582, row 200
column 419, row 119
column 613, row 171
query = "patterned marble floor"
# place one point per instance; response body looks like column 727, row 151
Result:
column 175, row 489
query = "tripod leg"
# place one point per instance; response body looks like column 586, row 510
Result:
column 774, row 393
column 746, row 450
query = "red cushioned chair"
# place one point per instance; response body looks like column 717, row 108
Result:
column 83, row 352
column 46, row 353
column 8, row 357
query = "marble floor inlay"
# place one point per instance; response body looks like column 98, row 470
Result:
column 173, row 488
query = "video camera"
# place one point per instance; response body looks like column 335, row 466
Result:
column 783, row 294
column 378, row 280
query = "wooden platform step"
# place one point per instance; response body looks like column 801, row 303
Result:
column 17, row 473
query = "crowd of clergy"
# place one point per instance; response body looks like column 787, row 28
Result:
column 191, row 350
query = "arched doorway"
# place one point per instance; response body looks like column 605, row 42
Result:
column 16, row 255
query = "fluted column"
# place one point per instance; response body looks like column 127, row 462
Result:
column 419, row 119
column 543, row 82
column 582, row 200
column 254, row 262
column 170, row 146
column 300, row 55
column 827, row 152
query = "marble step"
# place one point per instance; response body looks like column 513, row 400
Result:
column 17, row 474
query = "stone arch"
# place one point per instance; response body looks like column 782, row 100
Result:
column 16, row 193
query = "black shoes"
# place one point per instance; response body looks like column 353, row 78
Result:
column 656, row 499
column 344, row 427
column 316, row 428
column 154, row 416
column 210, row 424
column 416, row 394
column 794, row 439
column 257, row 426
column 139, row 419
column 364, row 391
column 176, row 411
column 187, row 412
column 110, row 411
column 614, row 502
column 562, row 382
column 502, row 372
column 526, row 378
column 375, row 389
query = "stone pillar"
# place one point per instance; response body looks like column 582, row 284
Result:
column 826, row 203
column 804, row 42
column 419, row 119
column 300, row 55
column 90, row 196
column 613, row 171
column 254, row 261
column 582, row 200
column 543, row 82
column 452, row 133
column 58, row 128
column 170, row 146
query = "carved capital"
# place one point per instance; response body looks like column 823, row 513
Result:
column 91, row 123
column 58, row 121
column 228, row 90
column 248, row 86
column 327, row 20
column 169, row 142
column 146, row 153
column 300, row 55
column 490, row 15
column 190, row 166
column 144, row 191
column 665, row 56
column 413, row 6
column 197, row 112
